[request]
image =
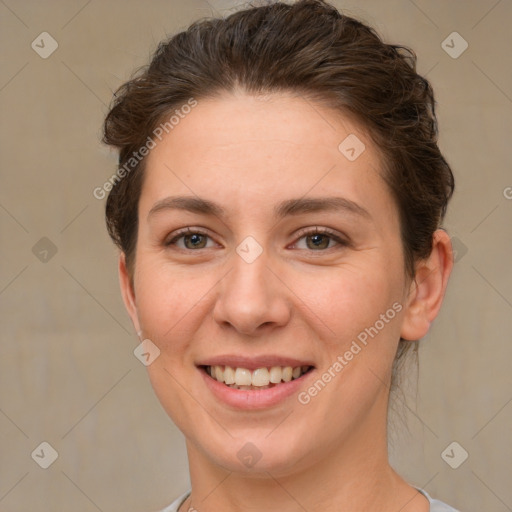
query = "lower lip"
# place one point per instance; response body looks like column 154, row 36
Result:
column 254, row 399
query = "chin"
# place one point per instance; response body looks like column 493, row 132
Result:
column 257, row 455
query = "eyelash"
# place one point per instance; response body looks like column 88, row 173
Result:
column 306, row 232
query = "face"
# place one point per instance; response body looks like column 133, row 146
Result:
column 253, row 268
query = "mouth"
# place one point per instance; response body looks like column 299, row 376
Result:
column 255, row 383
column 257, row 379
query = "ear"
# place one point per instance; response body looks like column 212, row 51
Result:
column 427, row 289
column 128, row 292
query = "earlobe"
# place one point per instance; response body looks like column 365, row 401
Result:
column 427, row 290
column 128, row 292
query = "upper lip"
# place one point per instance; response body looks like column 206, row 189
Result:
column 252, row 363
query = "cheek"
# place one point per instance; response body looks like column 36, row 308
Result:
column 168, row 300
column 363, row 313
column 354, row 299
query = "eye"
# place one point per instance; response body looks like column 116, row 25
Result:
column 316, row 239
column 321, row 239
column 193, row 239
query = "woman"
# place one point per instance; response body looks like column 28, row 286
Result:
column 278, row 206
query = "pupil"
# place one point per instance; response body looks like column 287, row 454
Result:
column 317, row 238
column 195, row 239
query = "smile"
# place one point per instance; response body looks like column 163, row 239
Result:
column 255, row 382
column 258, row 379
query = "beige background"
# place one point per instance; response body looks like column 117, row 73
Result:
column 68, row 375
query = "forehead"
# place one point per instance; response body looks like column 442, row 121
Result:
column 241, row 118
column 246, row 151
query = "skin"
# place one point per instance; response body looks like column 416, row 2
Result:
column 247, row 154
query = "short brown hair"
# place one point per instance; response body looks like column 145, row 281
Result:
column 312, row 49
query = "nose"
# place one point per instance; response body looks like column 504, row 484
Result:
column 252, row 298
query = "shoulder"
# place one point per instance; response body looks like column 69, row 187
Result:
column 440, row 506
column 175, row 505
column 437, row 505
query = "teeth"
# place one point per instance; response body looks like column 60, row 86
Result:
column 229, row 375
column 261, row 378
column 287, row 373
column 242, row 377
column 219, row 374
column 276, row 374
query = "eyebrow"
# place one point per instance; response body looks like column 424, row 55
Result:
column 286, row 208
